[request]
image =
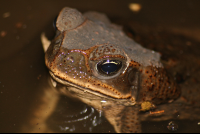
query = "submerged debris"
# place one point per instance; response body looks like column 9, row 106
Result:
column 145, row 106
column 172, row 126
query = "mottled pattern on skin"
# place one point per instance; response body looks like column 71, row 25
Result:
column 73, row 55
column 156, row 86
column 76, row 51
column 69, row 19
column 90, row 33
column 130, row 120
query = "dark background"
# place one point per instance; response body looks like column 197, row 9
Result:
column 21, row 56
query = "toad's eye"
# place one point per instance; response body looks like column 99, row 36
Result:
column 109, row 67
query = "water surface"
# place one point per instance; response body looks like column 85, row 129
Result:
column 23, row 74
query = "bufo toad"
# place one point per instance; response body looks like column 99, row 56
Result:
column 94, row 60
column 97, row 61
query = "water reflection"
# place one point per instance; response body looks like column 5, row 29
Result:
column 23, row 73
column 84, row 117
column 172, row 126
column 52, row 112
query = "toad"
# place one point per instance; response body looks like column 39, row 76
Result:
column 94, row 61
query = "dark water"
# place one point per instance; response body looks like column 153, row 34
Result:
column 23, row 74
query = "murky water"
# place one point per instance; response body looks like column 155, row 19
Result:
column 24, row 77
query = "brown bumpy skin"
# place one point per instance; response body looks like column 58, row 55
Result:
column 82, row 42
column 156, row 86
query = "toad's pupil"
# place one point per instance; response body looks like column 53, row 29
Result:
column 108, row 68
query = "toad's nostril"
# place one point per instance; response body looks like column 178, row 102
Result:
column 54, row 23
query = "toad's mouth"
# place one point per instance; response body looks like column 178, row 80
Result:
column 88, row 93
